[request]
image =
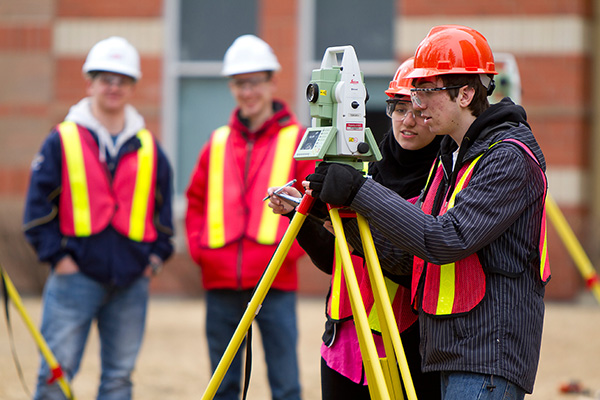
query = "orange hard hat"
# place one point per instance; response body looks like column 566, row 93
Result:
column 400, row 85
column 453, row 49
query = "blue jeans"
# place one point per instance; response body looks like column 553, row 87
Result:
column 471, row 386
column 71, row 303
column 277, row 323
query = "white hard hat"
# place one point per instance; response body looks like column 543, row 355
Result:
column 249, row 53
column 114, row 54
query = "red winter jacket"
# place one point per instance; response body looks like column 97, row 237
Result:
column 240, row 263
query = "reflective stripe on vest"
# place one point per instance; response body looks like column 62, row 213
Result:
column 335, row 297
column 280, row 170
column 467, row 274
column 78, row 185
column 88, row 203
column 279, row 173
column 392, row 289
column 447, row 272
column 543, row 245
column 338, row 301
column 143, row 185
column 216, row 219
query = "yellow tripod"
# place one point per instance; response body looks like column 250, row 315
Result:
column 382, row 373
column 582, row 261
column 55, row 368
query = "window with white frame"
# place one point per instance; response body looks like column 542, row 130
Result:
column 196, row 97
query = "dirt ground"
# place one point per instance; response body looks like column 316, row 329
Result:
column 173, row 363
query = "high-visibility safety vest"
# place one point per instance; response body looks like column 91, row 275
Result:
column 456, row 288
column 90, row 200
column 338, row 301
column 224, row 192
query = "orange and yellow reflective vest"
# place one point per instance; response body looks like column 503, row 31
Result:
column 90, row 200
column 338, row 301
column 261, row 224
column 456, row 288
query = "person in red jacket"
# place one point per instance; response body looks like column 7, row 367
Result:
column 232, row 233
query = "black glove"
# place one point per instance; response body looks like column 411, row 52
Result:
column 335, row 184
column 319, row 209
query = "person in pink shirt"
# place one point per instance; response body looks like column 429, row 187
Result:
column 408, row 151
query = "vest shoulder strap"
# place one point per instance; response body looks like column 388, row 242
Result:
column 216, row 215
column 280, row 171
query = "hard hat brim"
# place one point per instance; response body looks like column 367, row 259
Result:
column 428, row 72
column 248, row 70
column 117, row 69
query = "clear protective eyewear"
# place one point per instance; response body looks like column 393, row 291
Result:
column 249, row 83
column 398, row 109
column 118, row 80
column 417, row 95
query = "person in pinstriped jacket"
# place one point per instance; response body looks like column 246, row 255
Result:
column 475, row 241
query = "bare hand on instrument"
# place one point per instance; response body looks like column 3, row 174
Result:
column 277, row 205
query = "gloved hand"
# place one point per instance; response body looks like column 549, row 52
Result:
column 335, row 184
column 319, row 209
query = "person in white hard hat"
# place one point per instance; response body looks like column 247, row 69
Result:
column 231, row 231
column 98, row 210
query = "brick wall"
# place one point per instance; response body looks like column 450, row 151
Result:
column 278, row 27
column 43, row 44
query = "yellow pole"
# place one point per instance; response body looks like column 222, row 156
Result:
column 375, row 377
column 384, row 307
column 55, row 368
column 257, row 298
column 387, row 327
column 570, row 241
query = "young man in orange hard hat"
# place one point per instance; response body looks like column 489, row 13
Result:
column 99, row 211
column 475, row 241
column 232, row 234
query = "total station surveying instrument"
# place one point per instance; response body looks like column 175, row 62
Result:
column 337, row 97
column 338, row 133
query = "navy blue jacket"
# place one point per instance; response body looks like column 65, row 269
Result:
column 108, row 256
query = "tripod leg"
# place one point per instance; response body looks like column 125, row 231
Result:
column 373, row 369
column 389, row 328
column 55, row 367
column 259, row 295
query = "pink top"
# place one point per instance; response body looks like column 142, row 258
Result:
column 344, row 354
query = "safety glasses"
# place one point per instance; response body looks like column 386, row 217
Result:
column 398, row 110
column 249, row 83
column 118, row 80
column 418, row 95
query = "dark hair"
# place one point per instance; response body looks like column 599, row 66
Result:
column 94, row 74
column 480, row 102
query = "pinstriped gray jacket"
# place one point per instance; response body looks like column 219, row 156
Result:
column 497, row 215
